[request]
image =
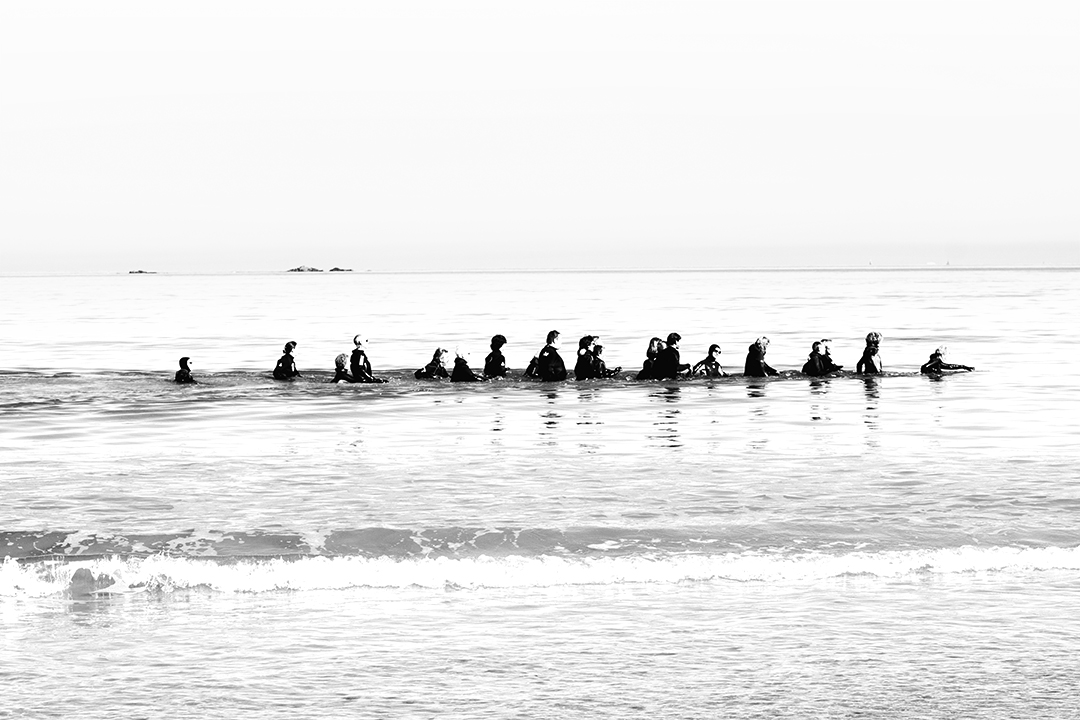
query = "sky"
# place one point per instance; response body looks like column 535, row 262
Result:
column 249, row 136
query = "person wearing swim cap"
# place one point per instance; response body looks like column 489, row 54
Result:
column 669, row 365
column 710, row 366
column 755, row 360
column 495, row 363
column 870, row 362
column 360, row 365
column 936, row 364
column 286, row 365
column 435, row 369
column 183, row 375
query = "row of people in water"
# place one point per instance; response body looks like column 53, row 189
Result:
column 663, row 361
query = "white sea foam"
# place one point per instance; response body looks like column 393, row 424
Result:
column 162, row 573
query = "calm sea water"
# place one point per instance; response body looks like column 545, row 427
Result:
column 898, row 546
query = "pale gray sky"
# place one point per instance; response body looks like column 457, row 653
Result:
column 204, row 136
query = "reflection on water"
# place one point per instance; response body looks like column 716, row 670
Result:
column 551, row 419
column 667, row 427
column 819, row 388
column 759, row 413
column 871, row 388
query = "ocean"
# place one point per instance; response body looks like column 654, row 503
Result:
column 895, row 546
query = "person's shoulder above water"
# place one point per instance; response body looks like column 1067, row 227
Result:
column 870, row 362
column 434, row 369
column 495, row 363
column 668, row 364
column 462, row 372
column 936, row 364
column 755, row 365
column 183, row 375
column 286, row 365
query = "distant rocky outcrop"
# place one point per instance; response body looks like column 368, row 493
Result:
column 337, row 269
column 305, row 268
column 141, row 272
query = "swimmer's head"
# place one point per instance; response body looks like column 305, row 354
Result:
column 184, row 362
column 762, row 342
column 289, row 346
column 816, row 347
column 340, row 360
column 940, row 352
column 673, row 338
column 714, row 348
column 357, row 340
column 654, row 346
column 585, row 342
column 552, row 337
column 873, row 338
column 497, row 341
column 598, row 350
column 438, row 355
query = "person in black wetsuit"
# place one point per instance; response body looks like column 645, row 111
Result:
column 434, row 369
column 495, row 363
column 286, row 365
column 340, row 373
column 820, row 362
column 462, row 372
column 936, row 364
column 668, row 365
column 183, row 375
column 655, row 346
column 548, row 365
column 360, row 365
column 755, row 359
column 870, row 362
column 601, row 367
column 710, row 366
column 585, row 367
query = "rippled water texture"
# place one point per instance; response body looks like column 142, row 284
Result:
column 899, row 546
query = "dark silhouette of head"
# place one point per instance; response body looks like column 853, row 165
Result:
column 497, row 341
column 184, row 363
column 552, row 336
column 289, row 346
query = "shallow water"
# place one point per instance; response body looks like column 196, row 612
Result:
column 899, row 546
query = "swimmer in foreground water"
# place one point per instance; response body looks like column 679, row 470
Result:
column 495, row 363
column 434, row 369
column 819, row 361
column 710, row 366
column 462, row 372
column 286, row 365
column 360, row 365
column 936, row 364
column 668, row 364
column 870, row 362
column 548, row 365
column 600, row 366
column 755, row 359
column 183, row 375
